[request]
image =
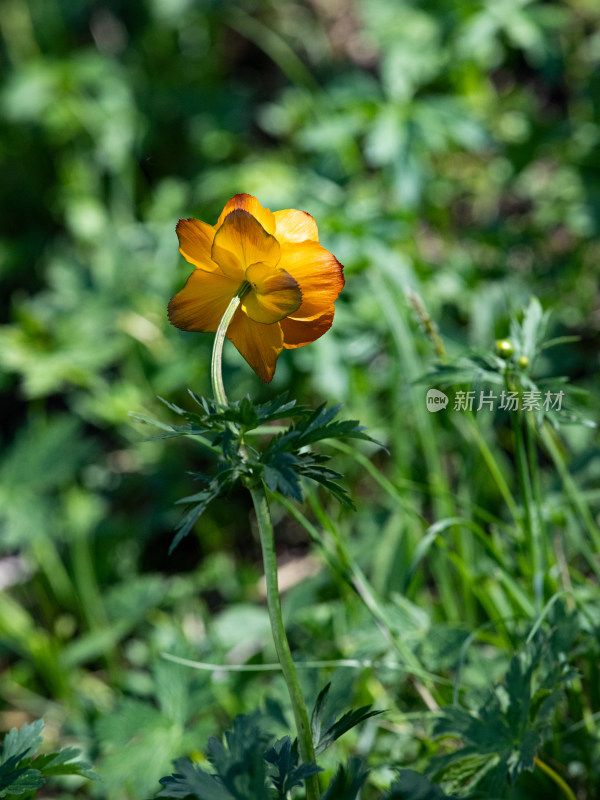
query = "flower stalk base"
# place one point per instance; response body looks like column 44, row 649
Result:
column 265, row 529
column 267, row 542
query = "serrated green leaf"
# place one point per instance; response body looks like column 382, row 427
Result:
column 24, row 741
column 65, row 762
column 514, row 721
column 220, row 484
column 287, row 774
column 347, row 781
column 240, row 762
column 190, row 780
column 281, row 476
column 17, row 781
column 333, row 730
column 316, row 719
column 278, row 408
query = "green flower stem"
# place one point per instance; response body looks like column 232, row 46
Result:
column 216, row 368
column 267, row 542
column 555, row 777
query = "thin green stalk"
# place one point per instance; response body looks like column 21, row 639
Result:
column 216, row 367
column 335, row 663
column 267, row 542
column 554, row 776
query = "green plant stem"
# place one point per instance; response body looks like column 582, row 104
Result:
column 216, row 367
column 267, row 542
column 555, row 777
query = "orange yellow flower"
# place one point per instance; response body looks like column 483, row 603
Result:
column 286, row 280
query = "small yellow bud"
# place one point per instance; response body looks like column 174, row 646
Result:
column 523, row 362
column 504, row 348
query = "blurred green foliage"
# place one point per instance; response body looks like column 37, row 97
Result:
column 450, row 149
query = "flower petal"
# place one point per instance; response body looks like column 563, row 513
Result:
column 274, row 294
column 195, row 243
column 319, row 275
column 298, row 332
column 202, row 302
column 241, row 241
column 259, row 344
column 253, row 207
column 295, row 226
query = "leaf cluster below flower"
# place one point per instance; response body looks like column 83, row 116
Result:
column 236, row 431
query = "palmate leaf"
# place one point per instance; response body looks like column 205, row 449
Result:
column 240, row 762
column 22, row 773
column 246, row 767
column 281, row 464
column 513, row 723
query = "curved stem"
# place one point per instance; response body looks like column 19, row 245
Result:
column 555, row 777
column 265, row 528
column 216, row 366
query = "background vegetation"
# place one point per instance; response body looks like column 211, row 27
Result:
column 447, row 149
